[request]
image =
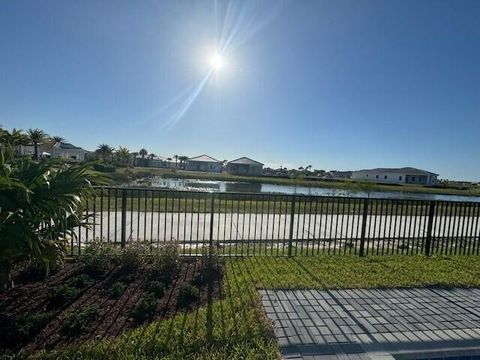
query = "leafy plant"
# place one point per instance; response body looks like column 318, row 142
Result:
column 41, row 207
column 116, row 290
column 77, row 321
column 15, row 332
column 164, row 261
column 188, row 294
column 80, row 281
column 146, row 308
column 128, row 278
column 133, row 256
column 98, row 256
column 62, row 295
column 156, row 288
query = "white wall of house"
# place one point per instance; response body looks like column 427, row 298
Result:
column 206, row 166
column 395, row 177
column 70, row 154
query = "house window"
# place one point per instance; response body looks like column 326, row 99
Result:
column 386, row 177
column 400, row 178
column 367, row 175
column 377, row 176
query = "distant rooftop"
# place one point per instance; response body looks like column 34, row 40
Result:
column 245, row 161
column 67, row 146
column 203, row 158
column 404, row 170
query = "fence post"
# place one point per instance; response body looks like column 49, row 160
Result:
column 212, row 213
column 124, row 218
column 292, row 218
column 364, row 227
column 428, row 243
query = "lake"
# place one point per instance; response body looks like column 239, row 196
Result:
column 251, row 187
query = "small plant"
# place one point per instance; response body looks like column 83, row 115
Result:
column 62, row 295
column 15, row 332
column 77, row 321
column 128, row 278
column 97, row 257
column 188, row 294
column 146, row 308
column 116, row 290
column 80, row 281
column 157, row 288
column 165, row 260
column 133, row 256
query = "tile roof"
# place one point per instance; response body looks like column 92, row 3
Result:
column 204, row 158
column 245, row 161
column 404, row 170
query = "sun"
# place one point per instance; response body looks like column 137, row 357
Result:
column 217, row 62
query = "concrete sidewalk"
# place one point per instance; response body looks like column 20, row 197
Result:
column 417, row 323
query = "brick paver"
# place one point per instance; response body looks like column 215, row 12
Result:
column 416, row 323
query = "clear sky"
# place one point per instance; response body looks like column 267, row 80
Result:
column 336, row 84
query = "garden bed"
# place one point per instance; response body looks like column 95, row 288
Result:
column 75, row 304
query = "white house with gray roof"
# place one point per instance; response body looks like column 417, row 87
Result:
column 406, row 175
column 204, row 163
column 244, row 166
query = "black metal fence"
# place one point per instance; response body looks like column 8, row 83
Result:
column 239, row 224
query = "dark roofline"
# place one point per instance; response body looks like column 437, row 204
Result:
column 193, row 158
column 397, row 170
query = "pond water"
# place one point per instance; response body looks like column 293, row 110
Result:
column 252, row 187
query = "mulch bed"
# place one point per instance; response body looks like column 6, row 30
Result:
column 115, row 315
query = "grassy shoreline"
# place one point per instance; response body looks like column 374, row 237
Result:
column 126, row 175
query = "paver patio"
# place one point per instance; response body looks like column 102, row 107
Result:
column 416, row 323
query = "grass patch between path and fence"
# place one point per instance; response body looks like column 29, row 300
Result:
column 236, row 327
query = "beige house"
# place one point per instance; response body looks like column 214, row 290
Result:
column 406, row 175
column 204, row 163
column 244, row 166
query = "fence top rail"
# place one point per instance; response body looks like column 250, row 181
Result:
column 298, row 196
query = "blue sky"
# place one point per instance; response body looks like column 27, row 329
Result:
column 335, row 84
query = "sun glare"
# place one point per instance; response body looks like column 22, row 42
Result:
column 216, row 62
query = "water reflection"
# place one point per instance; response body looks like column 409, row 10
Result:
column 253, row 187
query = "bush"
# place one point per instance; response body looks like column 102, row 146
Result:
column 80, row 281
column 116, row 290
column 188, row 294
column 15, row 332
column 128, row 278
column 133, row 256
column 156, row 288
column 98, row 256
column 165, row 260
column 77, row 321
column 106, row 168
column 146, row 308
column 210, row 268
column 62, row 295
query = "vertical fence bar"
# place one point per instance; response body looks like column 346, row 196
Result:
column 431, row 213
column 364, row 227
column 212, row 215
column 124, row 218
column 292, row 216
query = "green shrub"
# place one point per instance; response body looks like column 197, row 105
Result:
column 62, row 295
column 80, row 281
column 133, row 256
column 116, row 290
column 188, row 294
column 98, row 256
column 128, row 278
column 146, row 308
column 15, row 332
column 165, row 260
column 157, row 288
column 106, row 168
column 77, row 321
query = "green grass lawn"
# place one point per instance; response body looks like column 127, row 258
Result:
column 236, row 327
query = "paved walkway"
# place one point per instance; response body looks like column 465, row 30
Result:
column 413, row 323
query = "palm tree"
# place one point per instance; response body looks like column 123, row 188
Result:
column 151, row 156
column 143, row 153
column 36, row 136
column 176, row 160
column 57, row 139
column 123, row 154
column 104, row 151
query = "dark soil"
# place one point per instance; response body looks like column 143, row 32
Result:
column 115, row 315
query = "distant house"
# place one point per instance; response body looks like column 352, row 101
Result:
column 67, row 151
column 61, row 150
column 407, row 175
column 244, row 166
column 203, row 163
column 156, row 162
